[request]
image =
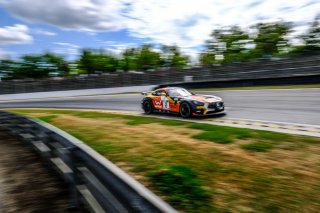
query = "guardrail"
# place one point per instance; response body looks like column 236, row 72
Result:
column 289, row 80
column 94, row 182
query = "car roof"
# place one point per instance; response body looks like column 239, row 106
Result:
column 170, row 88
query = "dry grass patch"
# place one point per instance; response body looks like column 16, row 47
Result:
column 284, row 178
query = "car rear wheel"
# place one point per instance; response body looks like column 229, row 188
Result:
column 148, row 107
column 185, row 110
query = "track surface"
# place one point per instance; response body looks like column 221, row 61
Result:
column 300, row 106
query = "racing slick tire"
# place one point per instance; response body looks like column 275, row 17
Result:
column 148, row 107
column 185, row 110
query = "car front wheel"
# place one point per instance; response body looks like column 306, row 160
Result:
column 185, row 110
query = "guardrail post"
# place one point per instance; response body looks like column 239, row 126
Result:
column 75, row 200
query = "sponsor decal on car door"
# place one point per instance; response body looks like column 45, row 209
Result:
column 157, row 103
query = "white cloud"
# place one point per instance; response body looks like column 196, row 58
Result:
column 115, row 47
column 186, row 23
column 67, row 49
column 67, row 44
column 16, row 34
column 43, row 32
column 81, row 15
column 5, row 54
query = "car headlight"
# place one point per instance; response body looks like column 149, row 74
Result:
column 198, row 103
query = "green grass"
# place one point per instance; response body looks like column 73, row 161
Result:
column 217, row 137
column 201, row 167
column 47, row 119
column 137, row 120
column 258, row 146
column 220, row 134
column 261, row 87
column 183, row 187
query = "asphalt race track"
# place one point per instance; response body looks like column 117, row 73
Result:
column 300, row 106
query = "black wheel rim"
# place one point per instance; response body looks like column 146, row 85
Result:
column 185, row 110
column 147, row 107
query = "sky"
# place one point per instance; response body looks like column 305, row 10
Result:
column 66, row 26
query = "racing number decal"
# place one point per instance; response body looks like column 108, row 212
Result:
column 165, row 103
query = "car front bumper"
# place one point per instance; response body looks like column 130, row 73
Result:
column 209, row 109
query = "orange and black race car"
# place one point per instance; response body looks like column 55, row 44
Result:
column 181, row 101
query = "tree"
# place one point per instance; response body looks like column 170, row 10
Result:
column 93, row 61
column 172, row 57
column 86, row 61
column 311, row 40
column 128, row 60
column 270, row 39
column 29, row 68
column 207, row 58
column 39, row 66
column 56, row 60
column 8, row 68
column 226, row 45
column 147, row 58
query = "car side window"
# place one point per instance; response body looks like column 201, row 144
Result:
column 158, row 92
column 173, row 93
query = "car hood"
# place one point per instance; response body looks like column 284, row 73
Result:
column 203, row 98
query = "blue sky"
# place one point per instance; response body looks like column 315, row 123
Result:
column 66, row 26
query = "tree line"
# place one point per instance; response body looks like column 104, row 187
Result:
column 226, row 45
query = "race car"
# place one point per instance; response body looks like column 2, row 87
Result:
column 181, row 101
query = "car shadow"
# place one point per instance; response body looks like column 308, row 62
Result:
column 191, row 118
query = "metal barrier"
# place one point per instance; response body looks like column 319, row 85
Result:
column 94, row 181
column 284, row 81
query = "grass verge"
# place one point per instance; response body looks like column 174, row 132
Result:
column 201, row 167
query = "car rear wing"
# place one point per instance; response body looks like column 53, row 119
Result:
column 144, row 93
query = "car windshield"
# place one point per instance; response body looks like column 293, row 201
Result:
column 179, row 92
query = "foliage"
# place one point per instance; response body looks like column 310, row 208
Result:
column 94, row 61
column 310, row 39
column 271, row 39
column 183, row 188
column 232, row 44
column 146, row 58
column 36, row 66
column 172, row 57
column 128, row 61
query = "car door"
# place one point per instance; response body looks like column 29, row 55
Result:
column 174, row 102
column 156, row 100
